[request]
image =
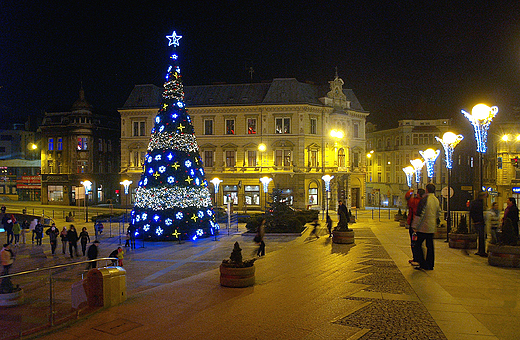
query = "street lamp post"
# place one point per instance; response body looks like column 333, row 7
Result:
column 481, row 117
column 430, row 156
column 126, row 184
column 417, row 166
column 449, row 141
column 409, row 175
column 265, row 183
column 87, row 185
column 216, row 182
column 327, row 179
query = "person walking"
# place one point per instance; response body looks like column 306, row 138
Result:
column 131, row 229
column 72, row 238
column 63, row 236
column 32, row 226
column 511, row 212
column 329, row 225
column 127, row 239
column 92, row 254
column 120, row 256
column 315, row 224
column 38, row 232
column 25, row 227
column 84, row 238
column 53, row 233
column 17, row 230
column 493, row 222
column 428, row 211
column 8, row 223
column 260, row 238
column 476, row 214
column 412, row 201
column 7, row 259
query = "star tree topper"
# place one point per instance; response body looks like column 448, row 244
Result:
column 174, row 39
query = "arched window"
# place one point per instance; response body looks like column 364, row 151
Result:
column 341, row 158
column 407, row 140
column 313, row 193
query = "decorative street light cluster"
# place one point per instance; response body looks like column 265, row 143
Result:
column 327, row 179
column 430, row 156
column 265, row 183
column 409, row 171
column 87, row 185
column 417, row 166
column 449, row 141
column 481, row 117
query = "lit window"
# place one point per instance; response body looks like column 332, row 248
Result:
column 251, row 126
column 60, row 144
column 283, row 125
column 230, row 126
column 314, row 126
column 82, row 143
column 51, row 144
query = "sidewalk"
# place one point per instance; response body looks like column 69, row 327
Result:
column 311, row 290
column 320, row 290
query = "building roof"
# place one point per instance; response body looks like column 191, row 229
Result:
column 278, row 92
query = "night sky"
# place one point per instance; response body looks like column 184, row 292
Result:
column 403, row 59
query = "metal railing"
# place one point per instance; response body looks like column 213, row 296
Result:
column 53, row 272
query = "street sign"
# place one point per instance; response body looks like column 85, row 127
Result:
column 444, row 192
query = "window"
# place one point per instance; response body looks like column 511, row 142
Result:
column 282, row 158
column 230, row 194
column 140, row 128
column 283, row 125
column 82, row 167
column 314, row 126
column 356, row 130
column 55, row 193
column 208, row 126
column 341, row 158
column 313, row 193
column 51, row 144
column 100, row 145
column 82, row 143
column 60, row 144
column 251, row 158
column 407, row 140
column 109, row 166
column 208, row 159
column 109, row 145
column 100, row 167
column 230, row 126
column 230, row 159
column 252, row 194
column 251, row 126
column 355, row 160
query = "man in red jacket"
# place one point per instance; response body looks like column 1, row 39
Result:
column 412, row 202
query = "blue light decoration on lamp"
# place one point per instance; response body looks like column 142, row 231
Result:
column 430, row 156
column 417, row 166
column 481, row 117
column 409, row 171
column 172, row 201
column 449, row 141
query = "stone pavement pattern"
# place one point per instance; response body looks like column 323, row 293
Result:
column 310, row 290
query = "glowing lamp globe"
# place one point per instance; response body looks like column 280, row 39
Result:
column 449, row 137
column 262, row 147
column 430, row 153
column 417, row 163
column 481, row 111
column 505, row 138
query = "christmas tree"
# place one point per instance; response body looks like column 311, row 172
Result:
column 173, row 200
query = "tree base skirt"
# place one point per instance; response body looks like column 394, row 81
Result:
column 504, row 256
column 12, row 299
column 237, row 277
column 463, row 241
column 343, row 236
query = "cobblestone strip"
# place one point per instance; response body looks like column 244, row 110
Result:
column 393, row 319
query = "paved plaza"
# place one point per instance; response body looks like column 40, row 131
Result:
column 305, row 289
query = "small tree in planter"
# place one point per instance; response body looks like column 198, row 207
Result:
column 342, row 233
column 460, row 237
column 399, row 215
column 236, row 272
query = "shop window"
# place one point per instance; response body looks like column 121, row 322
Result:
column 252, row 194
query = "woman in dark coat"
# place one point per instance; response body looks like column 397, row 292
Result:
column 72, row 237
column 84, row 238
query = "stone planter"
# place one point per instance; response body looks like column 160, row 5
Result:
column 504, row 256
column 12, row 299
column 343, row 236
column 440, row 232
column 237, row 277
column 463, row 241
column 397, row 217
column 69, row 218
column 402, row 223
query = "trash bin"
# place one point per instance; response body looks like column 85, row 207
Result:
column 114, row 285
column 106, row 286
